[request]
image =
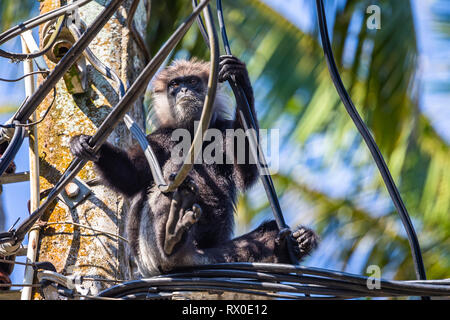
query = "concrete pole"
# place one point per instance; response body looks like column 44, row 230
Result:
column 73, row 249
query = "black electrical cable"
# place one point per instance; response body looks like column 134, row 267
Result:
column 13, row 147
column 368, row 139
column 248, row 120
column 201, row 25
column 15, row 144
column 107, row 126
column 246, row 116
column 29, row 124
column 274, row 280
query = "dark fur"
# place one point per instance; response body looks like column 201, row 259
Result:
column 209, row 240
column 5, row 271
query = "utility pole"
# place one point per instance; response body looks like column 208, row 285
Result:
column 79, row 234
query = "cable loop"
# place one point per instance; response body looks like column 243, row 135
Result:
column 26, row 56
column 36, row 21
column 207, row 110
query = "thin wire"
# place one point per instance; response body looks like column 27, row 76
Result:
column 26, row 75
column 29, row 124
column 13, row 147
column 85, row 227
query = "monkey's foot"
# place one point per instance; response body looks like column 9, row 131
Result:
column 305, row 241
column 182, row 215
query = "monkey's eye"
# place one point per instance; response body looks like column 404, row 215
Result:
column 193, row 81
column 173, row 84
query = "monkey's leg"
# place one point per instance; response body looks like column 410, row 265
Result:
column 182, row 215
column 265, row 244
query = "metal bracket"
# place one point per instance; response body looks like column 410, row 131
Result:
column 76, row 77
column 14, row 177
column 70, row 282
column 75, row 193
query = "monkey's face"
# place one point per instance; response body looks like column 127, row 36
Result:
column 179, row 92
column 186, row 95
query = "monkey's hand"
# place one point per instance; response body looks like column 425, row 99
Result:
column 183, row 214
column 79, row 147
column 232, row 66
column 304, row 240
column 12, row 166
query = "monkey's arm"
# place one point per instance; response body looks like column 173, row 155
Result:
column 125, row 172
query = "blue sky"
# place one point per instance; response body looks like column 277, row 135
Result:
column 434, row 71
